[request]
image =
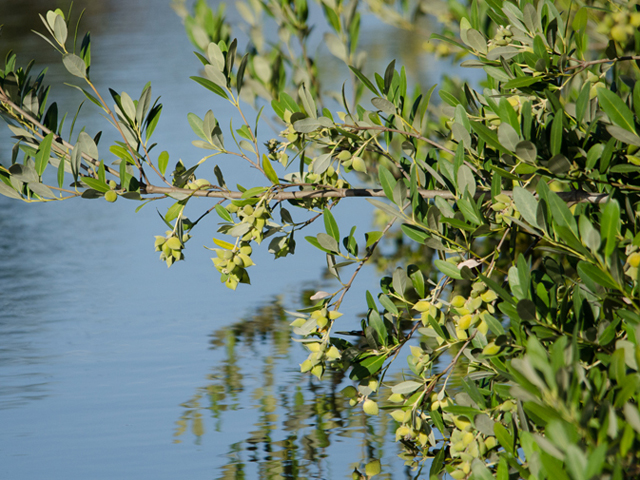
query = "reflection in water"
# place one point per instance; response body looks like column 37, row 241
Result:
column 299, row 423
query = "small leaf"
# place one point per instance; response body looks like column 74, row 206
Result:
column 330, row 225
column 448, row 269
column 75, row 65
column 269, row 170
column 609, row 226
column 163, row 161
column 223, row 213
column 44, row 150
column 383, row 104
column 526, row 204
column 328, row 242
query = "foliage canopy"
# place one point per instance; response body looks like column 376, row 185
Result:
column 521, row 199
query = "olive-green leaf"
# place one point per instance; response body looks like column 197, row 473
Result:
column 328, row 242
column 616, row 109
column 448, row 269
column 269, row 170
column 609, row 226
column 383, row 104
column 561, row 213
column 330, row 225
column 75, row 65
column 526, row 204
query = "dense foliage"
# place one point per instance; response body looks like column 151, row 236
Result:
column 520, row 315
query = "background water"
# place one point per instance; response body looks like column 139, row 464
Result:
column 113, row 366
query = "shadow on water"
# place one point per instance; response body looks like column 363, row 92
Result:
column 300, row 426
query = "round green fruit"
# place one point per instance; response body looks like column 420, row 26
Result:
column 110, row 196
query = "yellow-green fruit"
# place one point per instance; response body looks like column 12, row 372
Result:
column 618, row 33
column 634, row 259
column 317, row 371
column 110, row 196
column 174, row 243
column 112, row 184
column 396, row 398
column 491, row 349
column 490, row 442
column 331, row 171
column 246, row 250
column 372, row 468
column 489, row 296
column 458, row 301
column 248, row 210
column 465, row 321
column 344, row 155
column 461, row 423
column 370, row 407
column 349, row 391
column 232, row 208
column 359, row 165
column 422, row 306
column 246, row 260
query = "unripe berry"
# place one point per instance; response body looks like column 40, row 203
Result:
column 110, row 196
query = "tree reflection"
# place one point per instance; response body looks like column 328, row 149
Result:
column 298, row 423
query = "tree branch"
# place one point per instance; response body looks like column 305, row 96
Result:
column 569, row 197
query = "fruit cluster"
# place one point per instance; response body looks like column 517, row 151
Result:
column 471, row 311
column 502, row 38
column 254, row 217
column 171, row 247
column 504, row 208
column 233, row 264
column 620, row 26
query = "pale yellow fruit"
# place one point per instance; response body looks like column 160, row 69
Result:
column 174, row 243
column 634, row 259
column 491, row 349
column 111, row 196
column 359, row 165
column 370, row 407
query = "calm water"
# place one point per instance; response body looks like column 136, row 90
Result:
column 113, row 366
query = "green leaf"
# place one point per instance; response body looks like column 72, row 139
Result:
column 387, row 180
column 404, row 388
column 223, row 213
column 209, row 85
column 254, row 192
column 372, row 237
column 504, row 437
column 364, row 80
column 520, row 82
column 95, row 184
column 7, row 191
column 616, row 109
column 75, row 65
column 561, row 213
column 610, row 225
column 415, row 233
column 42, row 156
column 526, row 204
column 328, row 243
column 269, row 170
column 383, row 104
column 163, row 161
column 556, row 133
column 330, row 225
column 588, row 271
column 448, row 269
